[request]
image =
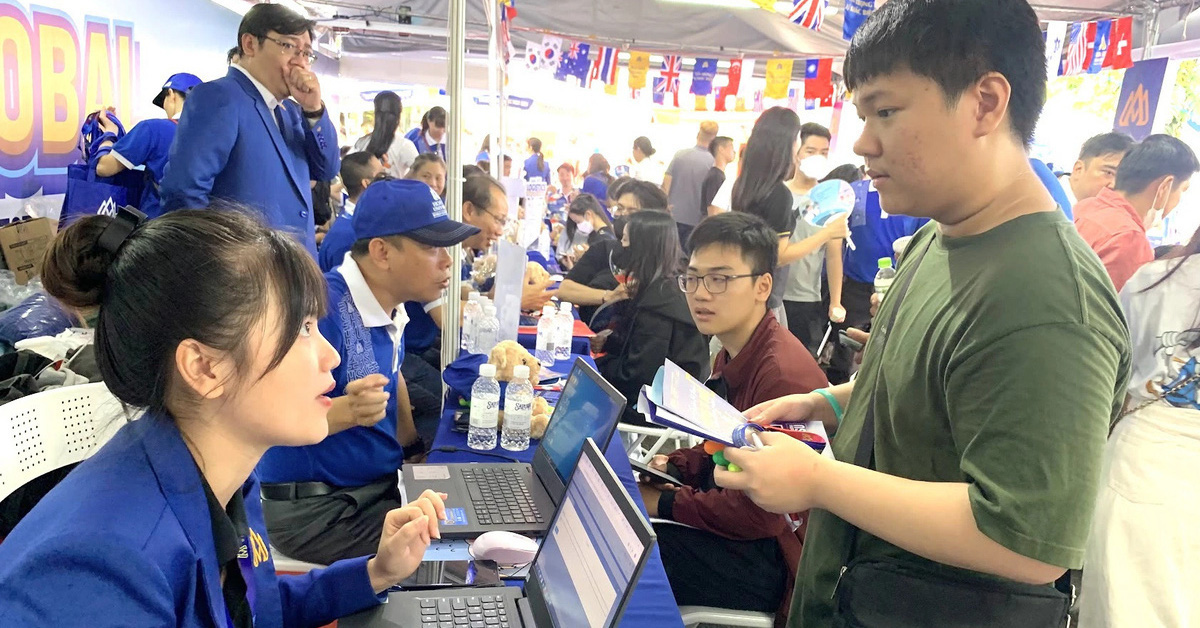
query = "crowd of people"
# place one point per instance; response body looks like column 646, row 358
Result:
column 287, row 350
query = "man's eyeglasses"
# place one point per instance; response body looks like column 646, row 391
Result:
column 500, row 220
column 714, row 283
column 295, row 51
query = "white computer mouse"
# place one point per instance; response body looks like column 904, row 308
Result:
column 505, row 548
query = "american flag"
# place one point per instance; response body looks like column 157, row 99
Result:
column 1077, row 51
column 808, row 13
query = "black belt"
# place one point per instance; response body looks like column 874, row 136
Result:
column 296, row 490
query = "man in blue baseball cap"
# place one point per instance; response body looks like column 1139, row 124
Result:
column 400, row 255
column 148, row 144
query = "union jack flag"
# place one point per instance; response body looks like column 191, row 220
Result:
column 1077, row 51
column 672, row 67
column 808, row 13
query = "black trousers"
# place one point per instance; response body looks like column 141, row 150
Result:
column 856, row 298
column 424, row 383
column 328, row 528
column 685, row 232
column 705, row 569
column 807, row 322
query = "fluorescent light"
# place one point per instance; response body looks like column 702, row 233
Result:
column 241, row 7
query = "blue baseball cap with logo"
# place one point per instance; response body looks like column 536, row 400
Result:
column 409, row 208
column 182, row 82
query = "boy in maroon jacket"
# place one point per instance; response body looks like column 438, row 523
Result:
column 752, row 553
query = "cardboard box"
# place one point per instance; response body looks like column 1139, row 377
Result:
column 24, row 245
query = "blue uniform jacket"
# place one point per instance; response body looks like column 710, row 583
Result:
column 423, row 146
column 147, row 144
column 229, row 147
column 126, row 540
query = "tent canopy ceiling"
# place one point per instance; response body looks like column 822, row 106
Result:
column 659, row 26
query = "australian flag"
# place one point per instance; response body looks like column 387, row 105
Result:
column 575, row 63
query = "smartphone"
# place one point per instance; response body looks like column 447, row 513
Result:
column 462, row 421
column 656, row 477
column 848, row 342
column 453, row 573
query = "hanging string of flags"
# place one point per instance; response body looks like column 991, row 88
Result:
column 588, row 66
column 1089, row 47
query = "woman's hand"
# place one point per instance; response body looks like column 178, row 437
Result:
column 787, row 409
column 407, row 533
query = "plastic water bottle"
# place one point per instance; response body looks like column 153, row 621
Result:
column 565, row 327
column 487, row 330
column 885, row 276
column 485, row 409
column 471, row 313
column 518, row 411
column 547, row 336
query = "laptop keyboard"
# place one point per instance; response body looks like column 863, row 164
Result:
column 499, row 496
column 482, row 611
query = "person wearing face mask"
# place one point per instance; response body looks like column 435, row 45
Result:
column 258, row 135
column 591, row 282
column 1150, row 181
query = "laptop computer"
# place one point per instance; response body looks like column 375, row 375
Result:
column 516, row 496
column 581, row 577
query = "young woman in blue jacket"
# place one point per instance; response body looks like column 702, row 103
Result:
column 208, row 323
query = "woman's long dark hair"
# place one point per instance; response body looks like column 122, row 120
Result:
column 768, row 159
column 536, row 146
column 598, row 167
column 583, row 204
column 387, row 118
column 1182, row 253
column 654, row 251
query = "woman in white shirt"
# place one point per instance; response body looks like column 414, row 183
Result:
column 1142, row 555
column 643, row 166
column 385, row 140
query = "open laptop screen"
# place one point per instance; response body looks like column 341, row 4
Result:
column 585, row 410
column 592, row 553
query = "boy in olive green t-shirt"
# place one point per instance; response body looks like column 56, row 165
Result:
column 1009, row 354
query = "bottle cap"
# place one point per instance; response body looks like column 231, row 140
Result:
column 885, row 262
column 487, row 370
column 548, row 310
column 521, row 371
column 473, row 296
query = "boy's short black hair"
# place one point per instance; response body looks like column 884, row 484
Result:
column 233, row 52
column 812, row 129
column 355, row 168
column 954, row 43
column 1156, row 157
column 718, row 142
column 748, row 233
column 1105, row 144
column 261, row 19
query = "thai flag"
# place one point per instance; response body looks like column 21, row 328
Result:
column 808, row 13
column 604, row 68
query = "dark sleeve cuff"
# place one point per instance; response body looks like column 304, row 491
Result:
column 666, row 505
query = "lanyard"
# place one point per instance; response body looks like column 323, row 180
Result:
column 245, row 561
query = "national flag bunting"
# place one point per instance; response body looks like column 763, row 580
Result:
column 818, row 81
column 808, row 13
column 779, row 76
column 575, row 63
column 508, row 11
column 672, row 68
column 857, row 12
column 1077, row 50
column 731, row 87
column 703, row 73
column 1120, row 45
column 551, row 51
column 604, row 68
column 639, row 64
column 1100, row 51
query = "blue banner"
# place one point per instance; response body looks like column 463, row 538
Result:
column 857, row 12
column 1139, row 98
column 1103, row 36
column 703, row 74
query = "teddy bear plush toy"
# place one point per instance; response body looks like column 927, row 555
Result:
column 508, row 355
column 535, row 275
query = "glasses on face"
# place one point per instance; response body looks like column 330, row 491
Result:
column 621, row 210
column 500, row 220
column 295, row 51
column 714, row 283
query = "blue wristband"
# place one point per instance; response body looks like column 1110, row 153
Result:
column 833, row 402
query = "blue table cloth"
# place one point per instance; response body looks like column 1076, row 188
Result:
column 652, row 605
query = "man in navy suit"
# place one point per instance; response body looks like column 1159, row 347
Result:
column 243, row 140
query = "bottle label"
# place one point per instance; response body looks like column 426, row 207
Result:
column 485, row 412
column 518, row 414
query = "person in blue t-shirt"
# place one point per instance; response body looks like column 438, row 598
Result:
column 430, row 137
column 358, row 171
column 148, row 144
column 535, row 164
column 399, row 255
